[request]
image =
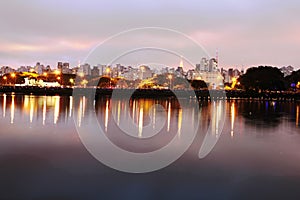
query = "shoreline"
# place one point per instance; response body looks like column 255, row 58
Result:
column 152, row 93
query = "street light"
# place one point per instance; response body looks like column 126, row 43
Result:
column 84, row 82
column 5, row 78
column 13, row 75
column 71, row 81
column 45, row 75
column 59, row 80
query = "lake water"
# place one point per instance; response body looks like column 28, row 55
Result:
column 42, row 156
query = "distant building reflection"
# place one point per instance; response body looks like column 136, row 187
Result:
column 71, row 106
column 44, row 109
column 32, row 104
column 232, row 114
column 4, row 105
column 169, row 116
column 141, row 113
column 216, row 113
column 106, row 114
column 180, row 121
column 56, row 109
column 12, row 109
column 145, row 114
column 140, row 122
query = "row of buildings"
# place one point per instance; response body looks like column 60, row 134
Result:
column 207, row 70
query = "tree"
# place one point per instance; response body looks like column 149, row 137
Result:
column 198, row 84
column 263, row 78
column 106, row 82
column 293, row 79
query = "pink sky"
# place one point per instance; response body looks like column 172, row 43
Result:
column 247, row 33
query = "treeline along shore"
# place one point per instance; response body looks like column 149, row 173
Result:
column 154, row 93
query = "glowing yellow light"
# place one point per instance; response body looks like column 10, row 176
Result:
column 84, row 82
column 13, row 75
column 71, row 80
column 170, row 76
column 45, row 74
column 227, row 88
column 57, row 72
column 107, row 70
column 31, row 70
column 4, row 77
column 233, row 84
column 58, row 78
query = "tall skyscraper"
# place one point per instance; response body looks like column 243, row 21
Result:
column 204, row 64
column 213, row 65
column 198, row 67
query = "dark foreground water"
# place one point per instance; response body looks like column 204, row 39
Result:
column 257, row 155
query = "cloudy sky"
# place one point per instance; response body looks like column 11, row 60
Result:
column 245, row 32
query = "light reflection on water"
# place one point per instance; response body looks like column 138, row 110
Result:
column 155, row 115
column 29, row 108
column 12, row 109
column 232, row 113
column 259, row 138
column 4, row 105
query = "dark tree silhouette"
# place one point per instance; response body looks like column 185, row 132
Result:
column 66, row 79
column 294, row 78
column 105, row 82
column 198, row 84
column 263, row 78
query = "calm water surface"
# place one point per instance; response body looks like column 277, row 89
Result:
column 42, row 157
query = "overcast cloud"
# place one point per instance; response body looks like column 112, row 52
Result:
column 246, row 32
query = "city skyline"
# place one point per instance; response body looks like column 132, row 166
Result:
column 143, row 76
column 246, row 33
